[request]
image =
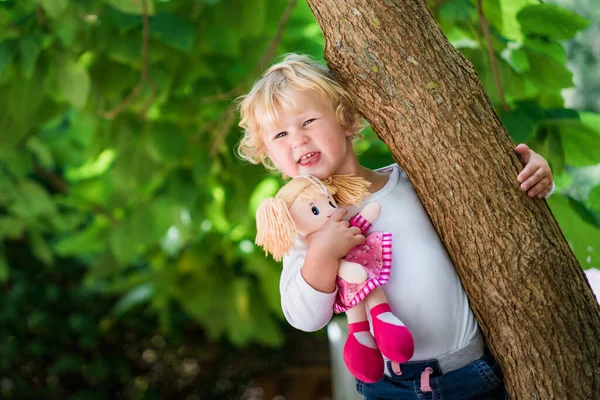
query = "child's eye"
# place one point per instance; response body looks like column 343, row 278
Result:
column 331, row 204
column 280, row 134
column 314, row 210
column 308, row 121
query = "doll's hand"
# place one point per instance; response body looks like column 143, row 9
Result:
column 536, row 177
column 336, row 237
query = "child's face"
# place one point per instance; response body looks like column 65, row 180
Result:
column 309, row 140
column 311, row 215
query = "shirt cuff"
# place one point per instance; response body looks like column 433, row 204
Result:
column 550, row 192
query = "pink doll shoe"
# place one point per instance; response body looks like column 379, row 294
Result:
column 394, row 341
column 363, row 362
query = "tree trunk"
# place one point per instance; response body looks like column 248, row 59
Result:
column 425, row 101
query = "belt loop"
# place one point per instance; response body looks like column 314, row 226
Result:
column 425, row 386
column 396, row 368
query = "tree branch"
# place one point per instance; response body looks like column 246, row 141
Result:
column 144, row 77
column 492, row 53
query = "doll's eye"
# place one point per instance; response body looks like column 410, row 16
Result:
column 315, row 210
column 331, row 204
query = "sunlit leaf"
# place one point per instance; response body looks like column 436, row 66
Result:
column 74, row 82
column 54, row 8
column 594, row 199
column 139, row 295
column 550, row 20
column 547, row 73
column 580, row 234
column 132, row 7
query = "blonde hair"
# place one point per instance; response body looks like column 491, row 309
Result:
column 271, row 92
column 275, row 228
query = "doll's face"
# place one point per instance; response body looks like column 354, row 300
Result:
column 311, row 215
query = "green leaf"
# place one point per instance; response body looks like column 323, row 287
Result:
column 562, row 113
column 174, row 31
column 6, row 55
column 253, row 17
column 523, row 121
column 555, row 154
column 581, row 235
column 550, row 20
column 40, row 248
column 83, row 242
column 510, row 9
column 581, row 140
column 132, row 6
column 140, row 295
column 11, row 228
column 453, row 11
column 594, row 199
column 492, row 10
column 34, row 201
column 143, row 228
column 268, row 187
column 547, row 74
column 166, row 143
column 4, row 270
column 512, row 82
column 31, row 47
column 74, row 82
column 54, row 8
column 41, row 151
column 132, row 168
column 550, row 48
column 25, row 97
column 584, row 212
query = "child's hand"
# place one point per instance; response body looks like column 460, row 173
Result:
column 336, row 237
column 536, row 177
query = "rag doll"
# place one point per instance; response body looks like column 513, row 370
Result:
column 302, row 207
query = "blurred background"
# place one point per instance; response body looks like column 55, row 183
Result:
column 127, row 261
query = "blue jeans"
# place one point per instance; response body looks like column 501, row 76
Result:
column 481, row 380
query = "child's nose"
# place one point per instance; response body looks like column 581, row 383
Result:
column 300, row 138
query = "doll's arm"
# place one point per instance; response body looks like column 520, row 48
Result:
column 365, row 218
column 371, row 211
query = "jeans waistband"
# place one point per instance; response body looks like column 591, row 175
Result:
column 443, row 364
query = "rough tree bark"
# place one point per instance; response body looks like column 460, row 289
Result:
column 426, row 103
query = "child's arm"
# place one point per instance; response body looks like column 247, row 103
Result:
column 536, row 177
column 304, row 307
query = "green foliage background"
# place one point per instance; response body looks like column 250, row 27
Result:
column 119, row 179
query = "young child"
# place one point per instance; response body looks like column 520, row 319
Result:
column 298, row 120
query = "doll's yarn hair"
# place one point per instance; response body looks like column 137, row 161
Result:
column 275, row 228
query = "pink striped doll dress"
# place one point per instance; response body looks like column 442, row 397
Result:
column 375, row 255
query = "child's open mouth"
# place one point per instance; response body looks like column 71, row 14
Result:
column 310, row 159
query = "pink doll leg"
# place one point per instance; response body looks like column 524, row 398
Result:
column 393, row 338
column 361, row 356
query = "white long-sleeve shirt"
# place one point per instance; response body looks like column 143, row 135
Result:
column 424, row 290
